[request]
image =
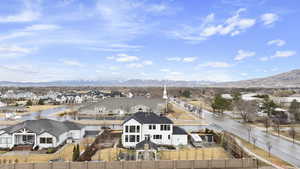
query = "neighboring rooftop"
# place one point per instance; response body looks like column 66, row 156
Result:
column 124, row 103
column 178, row 131
column 53, row 127
column 149, row 118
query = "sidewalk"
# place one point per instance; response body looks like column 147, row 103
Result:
column 275, row 134
column 256, row 156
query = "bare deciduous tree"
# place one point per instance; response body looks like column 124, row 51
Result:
column 249, row 129
column 276, row 126
column 254, row 139
column 247, row 109
column 269, row 147
column 267, row 123
column 292, row 133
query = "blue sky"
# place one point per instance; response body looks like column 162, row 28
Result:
column 214, row 40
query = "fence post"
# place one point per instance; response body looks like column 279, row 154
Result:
column 174, row 164
column 193, row 164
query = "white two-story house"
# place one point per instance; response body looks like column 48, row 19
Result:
column 148, row 125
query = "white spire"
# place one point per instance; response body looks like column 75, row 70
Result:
column 165, row 94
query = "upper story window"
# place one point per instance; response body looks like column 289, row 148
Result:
column 157, row 137
column 132, row 129
column 165, row 127
column 152, row 127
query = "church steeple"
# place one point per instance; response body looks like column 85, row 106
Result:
column 165, row 94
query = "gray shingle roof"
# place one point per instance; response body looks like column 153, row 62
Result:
column 53, row 127
column 141, row 145
column 124, row 103
column 149, row 118
column 178, row 131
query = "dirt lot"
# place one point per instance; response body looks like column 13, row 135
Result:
column 176, row 113
column 65, row 153
column 37, row 108
column 260, row 152
column 194, row 154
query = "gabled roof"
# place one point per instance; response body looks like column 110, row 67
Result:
column 53, row 127
column 149, row 118
column 141, row 145
column 179, row 131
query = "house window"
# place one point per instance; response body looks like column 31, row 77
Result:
column 137, row 129
column 46, row 140
column 43, row 140
column 132, row 138
column 165, row 127
column 126, row 138
column 126, row 129
column 49, row 140
column 157, row 137
column 152, row 127
column 132, row 129
column 169, row 136
column 137, row 138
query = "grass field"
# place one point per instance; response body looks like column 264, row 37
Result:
column 194, row 154
column 37, row 108
column 264, row 154
column 65, row 153
column 177, row 113
column 201, row 104
column 110, row 154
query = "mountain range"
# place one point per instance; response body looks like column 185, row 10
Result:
column 287, row 79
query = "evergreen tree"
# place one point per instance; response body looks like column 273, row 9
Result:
column 295, row 109
column 74, row 154
column 29, row 103
column 78, row 152
column 268, row 106
column 220, row 104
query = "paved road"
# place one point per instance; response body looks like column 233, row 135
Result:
column 282, row 148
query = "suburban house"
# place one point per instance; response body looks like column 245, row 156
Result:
column 43, row 133
column 122, row 106
column 150, row 126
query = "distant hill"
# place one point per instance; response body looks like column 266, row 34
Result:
column 129, row 83
column 287, row 79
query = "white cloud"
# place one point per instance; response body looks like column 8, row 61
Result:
column 269, row 18
column 135, row 65
column 72, row 63
column 174, row 59
column 277, row 42
column 147, row 62
column 189, row 59
column 185, row 59
column 10, row 51
column 264, row 58
column 215, row 65
column 140, row 65
column 231, row 26
column 284, row 54
column 42, row 27
column 242, row 54
column 165, row 70
column 24, row 16
column 115, row 48
column 122, row 57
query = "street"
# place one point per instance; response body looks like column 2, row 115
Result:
column 281, row 148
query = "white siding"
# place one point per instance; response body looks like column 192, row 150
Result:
column 179, row 140
column 6, row 141
column 129, row 123
column 46, row 145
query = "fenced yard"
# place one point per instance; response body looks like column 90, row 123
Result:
column 183, row 164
